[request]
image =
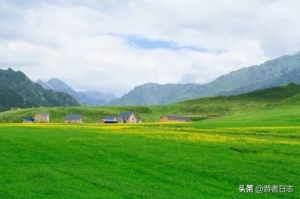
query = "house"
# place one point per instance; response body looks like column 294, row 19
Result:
column 138, row 120
column 42, row 117
column 73, row 118
column 127, row 117
column 170, row 118
column 28, row 120
column 109, row 119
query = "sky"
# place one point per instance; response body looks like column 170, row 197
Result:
column 115, row 45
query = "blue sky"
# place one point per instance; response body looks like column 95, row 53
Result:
column 145, row 43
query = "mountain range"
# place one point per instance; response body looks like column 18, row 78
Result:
column 17, row 90
column 271, row 73
column 84, row 97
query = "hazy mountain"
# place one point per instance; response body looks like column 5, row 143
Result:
column 155, row 94
column 85, row 97
column 17, row 90
column 275, row 72
column 57, row 85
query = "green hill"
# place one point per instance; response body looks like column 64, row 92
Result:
column 197, row 109
column 22, row 92
column 291, row 102
column 248, row 102
column 9, row 99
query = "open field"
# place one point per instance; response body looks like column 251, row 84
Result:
column 255, row 141
column 266, row 117
column 152, row 160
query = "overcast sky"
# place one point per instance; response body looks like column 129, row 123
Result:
column 114, row 45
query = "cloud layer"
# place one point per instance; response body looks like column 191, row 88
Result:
column 114, row 45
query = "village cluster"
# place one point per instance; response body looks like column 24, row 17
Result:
column 123, row 117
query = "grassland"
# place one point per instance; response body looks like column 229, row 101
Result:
column 148, row 160
column 257, row 143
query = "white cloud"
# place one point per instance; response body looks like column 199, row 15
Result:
column 85, row 44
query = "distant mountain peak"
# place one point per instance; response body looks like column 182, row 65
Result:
column 56, row 80
column 40, row 81
column 85, row 97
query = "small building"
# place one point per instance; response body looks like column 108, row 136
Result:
column 109, row 119
column 28, row 120
column 42, row 117
column 170, row 118
column 127, row 117
column 139, row 120
column 73, row 118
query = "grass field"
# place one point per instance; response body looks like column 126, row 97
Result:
column 194, row 160
column 254, row 141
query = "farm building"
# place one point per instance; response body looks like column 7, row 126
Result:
column 109, row 119
column 169, row 118
column 28, row 120
column 42, row 117
column 127, row 117
column 73, row 118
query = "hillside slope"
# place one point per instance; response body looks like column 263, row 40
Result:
column 9, row 99
column 247, row 102
column 198, row 109
column 19, row 83
column 272, row 73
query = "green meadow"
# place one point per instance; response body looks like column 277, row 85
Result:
column 193, row 160
column 255, row 140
